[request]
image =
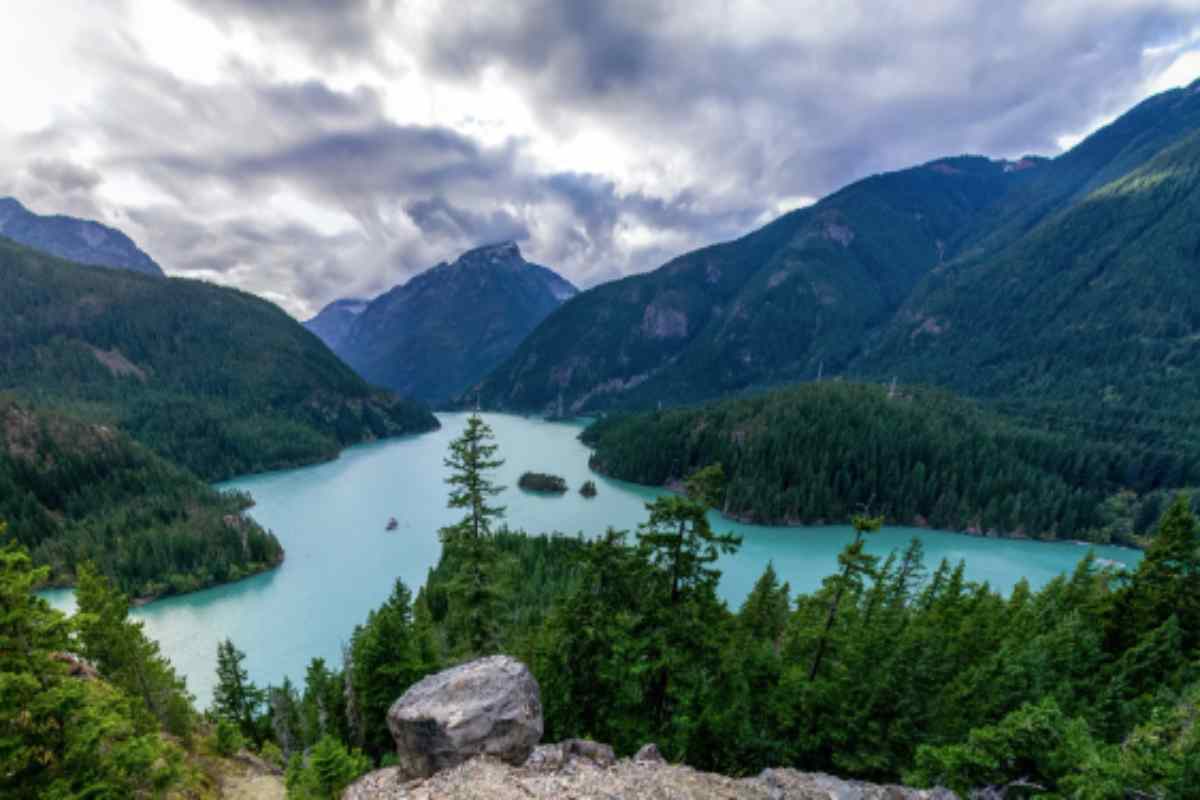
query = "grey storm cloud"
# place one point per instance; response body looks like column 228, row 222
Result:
column 805, row 115
column 728, row 125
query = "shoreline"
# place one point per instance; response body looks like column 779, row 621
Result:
column 144, row 600
column 676, row 487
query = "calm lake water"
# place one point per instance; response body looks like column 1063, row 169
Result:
column 341, row 563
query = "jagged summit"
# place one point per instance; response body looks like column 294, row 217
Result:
column 491, row 252
column 441, row 331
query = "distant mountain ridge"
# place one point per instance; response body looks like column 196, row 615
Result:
column 80, row 240
column 334, row 321
column 1065, row 288
column 440, row 332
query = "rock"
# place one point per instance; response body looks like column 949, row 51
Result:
column 599, row 754
column 649, row 754
column 491, row 706
column 628, row 779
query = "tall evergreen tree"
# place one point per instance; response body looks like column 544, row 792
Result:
column 679, row 542
column 235, row 697
column 385, row 661
column 472, row 457
column 856, row 564
column 474, row 593
column 126, row 656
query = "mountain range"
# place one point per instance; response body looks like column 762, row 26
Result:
column 443, row 330
column 80, row 240
column 1065, row 287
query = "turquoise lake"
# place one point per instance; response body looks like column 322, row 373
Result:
column 341, row 562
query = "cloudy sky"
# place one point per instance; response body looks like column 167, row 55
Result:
column 312, row 149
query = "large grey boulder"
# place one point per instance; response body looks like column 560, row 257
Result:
column 491, row 706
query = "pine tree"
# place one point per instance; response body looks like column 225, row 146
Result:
column 678, row 540
column 474, row 593
column 120, row 649
column 235, row 697
column 385, row 662
column 286, row 722
column 856, row 564
column 472, row 457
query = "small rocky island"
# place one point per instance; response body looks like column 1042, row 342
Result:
column 588, row 489
column 542, row 482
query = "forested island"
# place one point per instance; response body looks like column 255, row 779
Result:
column 542, row 482
column 893, row 669
column 821, row 452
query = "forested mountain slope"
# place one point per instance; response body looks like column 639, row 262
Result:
column 80, row 240
column 74, row 492
column 822, row 452
column 214, row 379
column 440, row 332
column 1091, row 320
column 1038, row 251
column 772, row 306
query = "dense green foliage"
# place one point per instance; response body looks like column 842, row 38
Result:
column 64, row 737
column 75, row 492
column 119, row 648
column 436, row 335
column 1091, row 318
column 821, row 451
column 542, row 482
column 213, row 379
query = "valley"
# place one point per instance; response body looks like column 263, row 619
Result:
column 341, row 562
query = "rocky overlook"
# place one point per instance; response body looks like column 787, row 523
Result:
column 470, row 732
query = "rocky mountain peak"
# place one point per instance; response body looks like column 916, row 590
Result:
column 437, row 334
column 502, row 253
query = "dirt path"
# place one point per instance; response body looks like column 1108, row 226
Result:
column 247, row 783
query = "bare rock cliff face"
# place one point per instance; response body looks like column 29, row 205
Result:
column 468, row 733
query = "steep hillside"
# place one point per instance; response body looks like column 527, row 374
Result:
column 79, row 240
column 213, row 379
column 439, row 333
column 73, row 493
column 784, row 303
column 821, row 452
column 1092, row 319
column 817, row 290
